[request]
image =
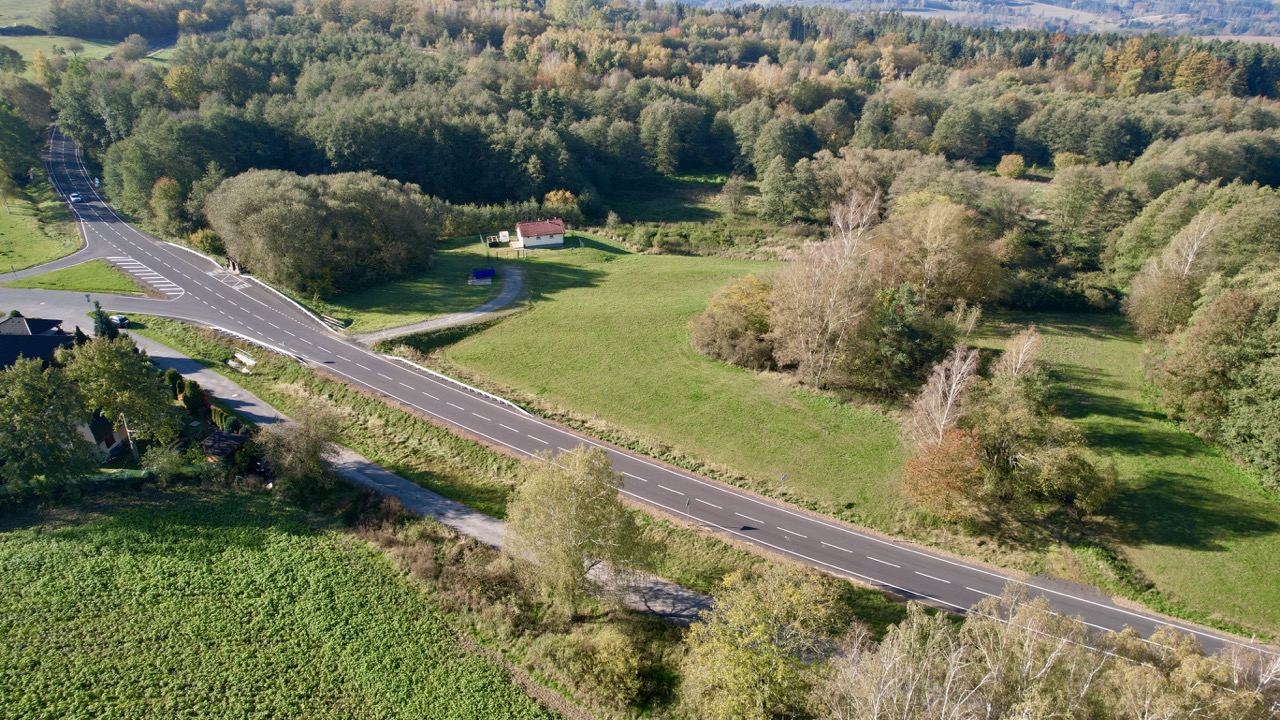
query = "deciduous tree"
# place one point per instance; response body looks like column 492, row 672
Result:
column 119, row 381
column 40, row 437
column 565, row 519
column 754, row 654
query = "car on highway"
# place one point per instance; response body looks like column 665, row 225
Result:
column 75, row 198
column 119, row 320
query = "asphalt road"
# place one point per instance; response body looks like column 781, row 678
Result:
column 197, row 290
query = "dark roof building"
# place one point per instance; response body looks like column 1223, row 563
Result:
column 221, row 445
column 30, row 326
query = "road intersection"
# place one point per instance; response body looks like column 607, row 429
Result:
column 199, row 291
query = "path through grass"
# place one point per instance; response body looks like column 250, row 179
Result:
column 608, row 335
column 219, row 603
column 95, row 276
column 1190, row 520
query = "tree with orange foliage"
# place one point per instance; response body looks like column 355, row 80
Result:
column 946, row 479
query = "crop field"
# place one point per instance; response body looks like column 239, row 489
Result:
column 608, row 336
column 221, row 603
column 440, row 290
column 1188, row 519
column 95, row 276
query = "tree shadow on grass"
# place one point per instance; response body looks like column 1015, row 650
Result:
column 1178, row 510
column 664, row 200
column 548, row 277
column 1115, row 424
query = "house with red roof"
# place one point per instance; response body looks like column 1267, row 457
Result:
column 539, row 234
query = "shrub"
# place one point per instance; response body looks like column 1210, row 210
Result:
column 208, row 242
column 1064, row 160
column 1012, row 166
column 734, row 326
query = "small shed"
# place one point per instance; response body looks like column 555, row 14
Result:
column 540, row 234
column 222, row 445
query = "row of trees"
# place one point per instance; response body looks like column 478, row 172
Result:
column 1200, row 265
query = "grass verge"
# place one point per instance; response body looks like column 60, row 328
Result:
column 1190, row 532
column 394, row 438
column 606, row 341
column 462, row 470
column 440, row 290
column 221, row 603
column 31, row 234
column 95, row 276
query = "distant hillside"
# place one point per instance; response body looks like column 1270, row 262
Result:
column 1202, row 17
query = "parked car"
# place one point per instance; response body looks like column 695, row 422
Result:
column 119, row 320
column 75, row 197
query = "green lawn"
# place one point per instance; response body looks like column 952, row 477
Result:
column 440, row 290
column 220, row 603
column 95, row 276
column 1187, row 518
column 607, row 336
column 22, row 241
column 21, row 12
column 27, row 45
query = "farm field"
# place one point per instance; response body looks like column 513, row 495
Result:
column 1188, row 519
column 95, row 276
column 607, row 335
column 221, row 603
column 440, row 290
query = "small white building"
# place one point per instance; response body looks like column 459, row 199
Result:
column 539, row 234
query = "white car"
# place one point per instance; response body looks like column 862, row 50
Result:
column 75, row 198
column 119, row 320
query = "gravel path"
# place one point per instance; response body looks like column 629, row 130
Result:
column 512, row 286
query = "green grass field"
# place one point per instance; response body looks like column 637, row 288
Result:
column 22, row 242
column 95, row 276
column 1186, row 517
column 440, row 290
column 607, row 335
column 27, row 45
column 22, row 12
column 220, row 603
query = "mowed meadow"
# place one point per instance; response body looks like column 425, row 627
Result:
column 1189, row 520
column 607, row 336
column 200, row 602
